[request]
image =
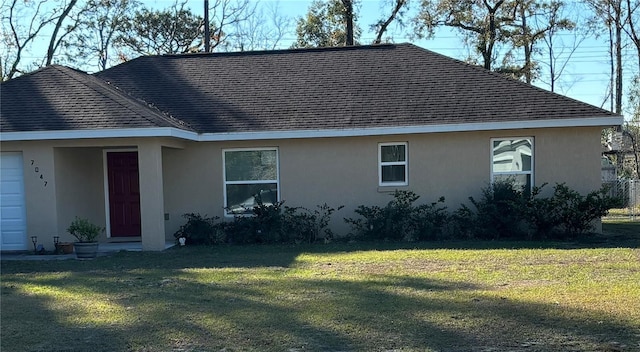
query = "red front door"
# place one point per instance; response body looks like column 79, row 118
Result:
column 124, row 194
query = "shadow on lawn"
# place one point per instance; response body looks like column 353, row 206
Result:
column 32, row 322
column 255, row 256
column 187, row 311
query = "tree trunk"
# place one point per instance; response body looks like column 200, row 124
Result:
column 207, row 34
column 526, row 44
column 552, row 67
column 618, row 23
column 488, row 45
column 632, row 30
column 612, row 73
column 348, row 17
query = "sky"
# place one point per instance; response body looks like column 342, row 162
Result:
column 586, row 77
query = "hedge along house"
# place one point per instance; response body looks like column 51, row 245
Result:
column 138, row 145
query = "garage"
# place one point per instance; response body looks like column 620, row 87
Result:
column 13, row 224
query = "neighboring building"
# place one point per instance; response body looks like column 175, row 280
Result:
column 138, row 145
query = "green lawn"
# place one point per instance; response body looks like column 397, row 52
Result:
column 489, row 296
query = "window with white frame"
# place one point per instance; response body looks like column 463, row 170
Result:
column 512, row 160
column 392, row 164
column 250, row 178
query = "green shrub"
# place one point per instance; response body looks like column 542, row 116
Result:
column 201, row 230
column 304, row 225
column 542, row 215
column 400, row 219
column 275, row 223
column 428, row 220
column 504, row 211
column 500, row 212
column 267, row 222
column 460, row 224
column 261, row 225
column 510, row 212
column 577, row 212
column 83, row 230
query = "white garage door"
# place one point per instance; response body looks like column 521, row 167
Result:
column 13, row 224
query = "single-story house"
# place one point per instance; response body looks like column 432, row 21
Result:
column 136, row 146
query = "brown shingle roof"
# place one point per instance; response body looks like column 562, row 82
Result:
column 334, row 88
column 305, row 89
column 60, row 98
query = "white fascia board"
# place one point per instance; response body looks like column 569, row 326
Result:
column 99, row 134
column 295, row 134
column 382, row 131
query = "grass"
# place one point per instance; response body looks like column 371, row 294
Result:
column 624, row 212
column 469, row 296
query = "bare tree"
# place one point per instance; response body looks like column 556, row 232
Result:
column 612, row 16
column 22, row 22
column 609, row 16
column 616, row 6
column 225, row 15
column 631, row 130
column 633, row 21
column 101, row 22
column 263, row 31
column 558, row 50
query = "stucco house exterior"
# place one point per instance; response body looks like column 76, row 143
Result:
column 136, row 146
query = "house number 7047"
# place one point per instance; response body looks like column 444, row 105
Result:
column 36, row 169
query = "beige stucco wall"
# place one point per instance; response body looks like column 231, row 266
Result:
column 151, row 194
column 570, row 155
column 192, row 183
column 343, row 171
column 39, row 188
column 74, row 174
column 79, row 187
column 182, row 177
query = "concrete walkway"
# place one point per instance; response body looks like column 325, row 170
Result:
column 104, row 249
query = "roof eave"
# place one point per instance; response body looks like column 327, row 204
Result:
column 603, row 121
column 606, row 121
column 99, row 134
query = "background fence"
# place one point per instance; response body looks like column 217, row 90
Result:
column 628, row 191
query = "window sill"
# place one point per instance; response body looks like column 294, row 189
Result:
column 392, row 189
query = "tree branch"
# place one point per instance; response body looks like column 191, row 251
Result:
column 54, row 35
column 385, row 24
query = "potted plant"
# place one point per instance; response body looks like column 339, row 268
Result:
column 86, row 233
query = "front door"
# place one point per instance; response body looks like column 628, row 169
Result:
column 124, row 194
